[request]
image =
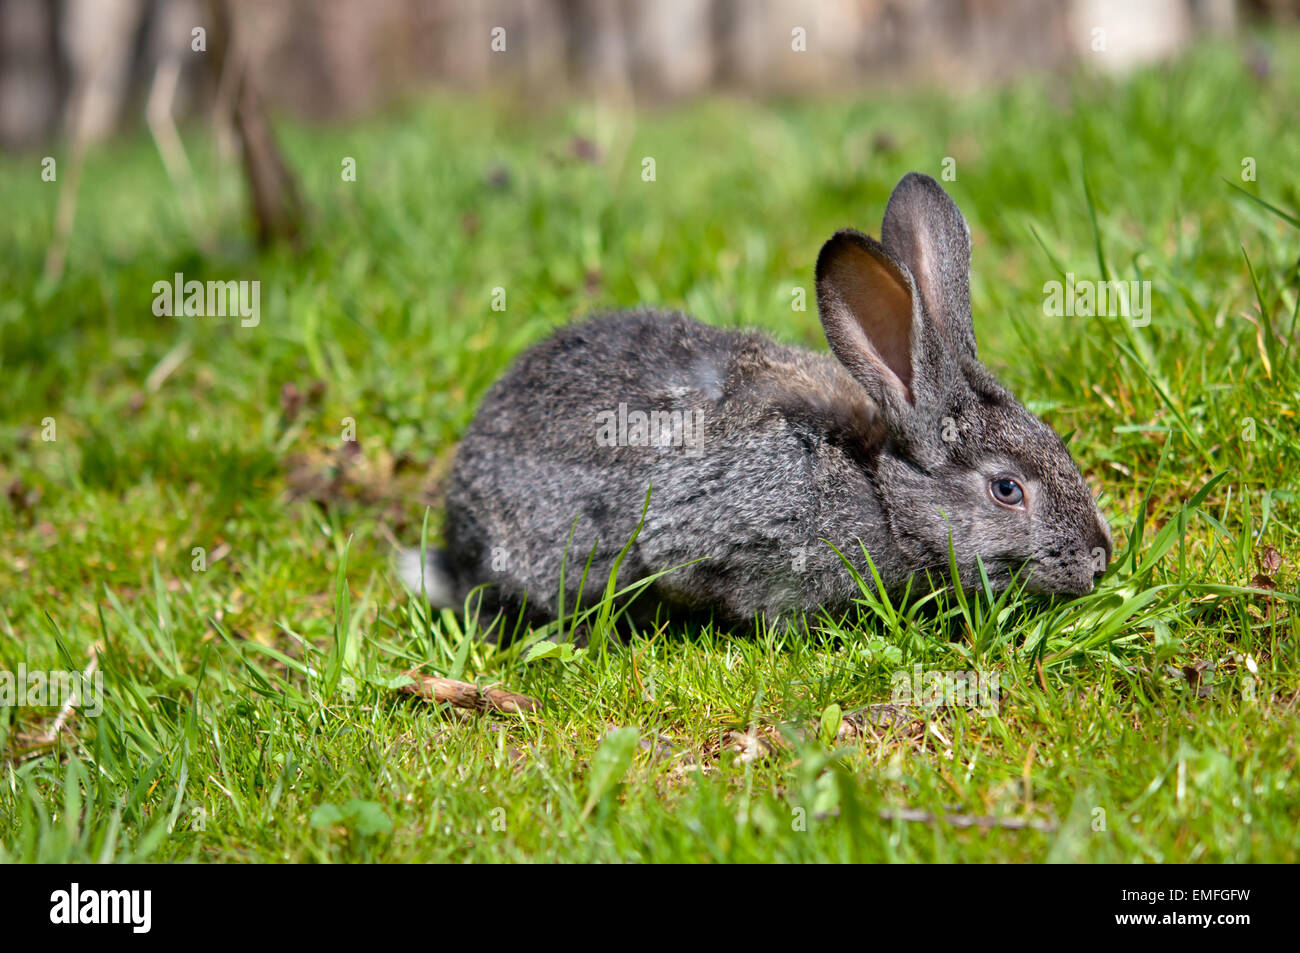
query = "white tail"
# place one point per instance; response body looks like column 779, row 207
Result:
column 425, row 576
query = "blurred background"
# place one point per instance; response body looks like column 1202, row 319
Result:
column 85, row 67
column 422, row 188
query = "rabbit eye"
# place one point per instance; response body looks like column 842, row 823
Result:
column 1006, row 491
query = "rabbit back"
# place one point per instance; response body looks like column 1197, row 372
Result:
column 757, row 453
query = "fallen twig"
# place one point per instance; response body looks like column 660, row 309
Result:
column 70, row 705
column 465, row 695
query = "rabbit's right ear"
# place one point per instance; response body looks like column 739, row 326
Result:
column 869, row 310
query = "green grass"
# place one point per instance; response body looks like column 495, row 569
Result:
column 252, row 711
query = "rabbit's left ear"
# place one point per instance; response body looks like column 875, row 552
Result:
column 925, row 230
column 875, row 325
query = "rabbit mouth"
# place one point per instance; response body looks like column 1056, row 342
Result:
column 1039, row 577
column 1034, row 576
column 1048, row 580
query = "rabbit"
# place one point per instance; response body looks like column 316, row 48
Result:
column 765, row 462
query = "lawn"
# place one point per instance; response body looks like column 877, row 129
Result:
column 199, row 524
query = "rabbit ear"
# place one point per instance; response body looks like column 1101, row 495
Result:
column 924, row 229
column 868, row 309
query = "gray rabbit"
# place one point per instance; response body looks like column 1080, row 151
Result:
column 761, row 457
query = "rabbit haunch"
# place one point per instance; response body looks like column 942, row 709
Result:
column 898, row 442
